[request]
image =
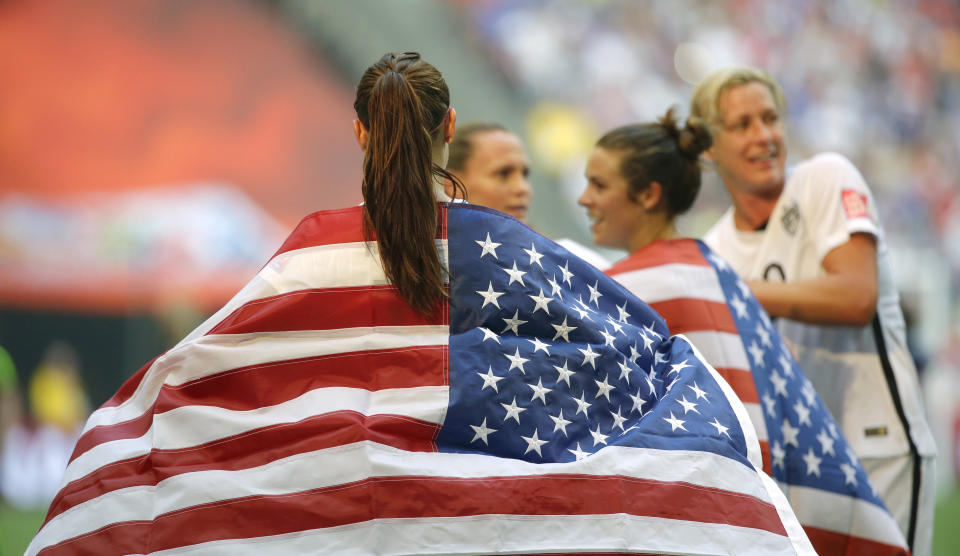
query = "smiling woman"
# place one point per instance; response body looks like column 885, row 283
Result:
column 810, row 245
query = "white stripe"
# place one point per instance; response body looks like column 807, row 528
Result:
column 221, row 352
column 801, row 544
column 177, row 429
column 358, row 461
column 673, row 281
column 508, row 534
column 844, row 514
column 722, row 349
column 755, row 411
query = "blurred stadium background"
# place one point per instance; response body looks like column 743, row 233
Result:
column 154, row 153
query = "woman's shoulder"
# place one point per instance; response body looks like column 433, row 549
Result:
column 661, row 252
column 829, row 165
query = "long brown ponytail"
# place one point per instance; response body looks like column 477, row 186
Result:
column 402, row 102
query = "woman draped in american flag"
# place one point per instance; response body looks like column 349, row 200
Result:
column 641, row 177
column 415, row 376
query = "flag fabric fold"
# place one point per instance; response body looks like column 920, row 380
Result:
column 542, row 409
column 700, row 296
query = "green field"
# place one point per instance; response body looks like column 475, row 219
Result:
column 17, row 528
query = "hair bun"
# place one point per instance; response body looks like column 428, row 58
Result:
column 694, row 138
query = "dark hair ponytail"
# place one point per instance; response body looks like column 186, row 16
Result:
column 664, row 153
column 402, row 102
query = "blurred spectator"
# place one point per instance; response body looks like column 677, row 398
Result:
column 10, row 405
column 37, row 446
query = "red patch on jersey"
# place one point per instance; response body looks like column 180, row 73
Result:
column 854, row 204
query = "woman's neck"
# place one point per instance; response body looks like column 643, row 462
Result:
column 649, row 234
column 439, row 190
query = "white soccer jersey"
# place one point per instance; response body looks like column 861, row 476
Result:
column 865, row 375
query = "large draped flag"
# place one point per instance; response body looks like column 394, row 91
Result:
column 543, row 409
column 700, row 296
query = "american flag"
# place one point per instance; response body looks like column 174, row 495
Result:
column 700, row 296
column 544, row 409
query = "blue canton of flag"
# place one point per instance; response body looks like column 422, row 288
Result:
column 551, row 360
column 806, row 447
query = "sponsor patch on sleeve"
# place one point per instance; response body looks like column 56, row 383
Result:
column 854, row 204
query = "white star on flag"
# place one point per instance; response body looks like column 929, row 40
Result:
column 608, row 338
column 813, row 463
column 582, row 405
column 826, row 442
column 539, row 391
column 488, row 247
column 513, row 324
column 564, row 373
column 489, row 335
column 803, row 413
column 578, row 453
column 595, row 294
column 598, row 438
column 625, row 371
column 515, row 274
column 720, row 428
column 490, row 379
column 790, row 433
column 740, row 306
column 699, row 393
column 541, row 302
column 516, row 361
column 588, row 356
column 534, row 443
column 560, row 424
column 513, row 410
column 604, row 388
column 490, row 296
column 675, row 423
column 567, row 275
column 687, row 406
column 482, row 431
column 555, row 287
column 539, row 345
column 563, row 330
column 534, row 256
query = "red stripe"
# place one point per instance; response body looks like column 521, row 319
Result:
column 326, row 227
column 765, row 457
column 130, row 385
column 675, row 251
column 250, row 449
column 275, row 382
column 325, row 309
column 742, row 383
column 831, row 542
column 690, row 314
column 330, row 227
column 407, row 497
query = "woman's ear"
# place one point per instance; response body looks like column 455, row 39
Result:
column 707, row 154
column 361, row 134
column 451, row 126
column 650, row 197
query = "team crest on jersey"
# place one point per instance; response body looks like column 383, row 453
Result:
column 791, row 218
column 854, row 204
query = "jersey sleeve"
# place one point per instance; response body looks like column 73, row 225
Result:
column 838, row 201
